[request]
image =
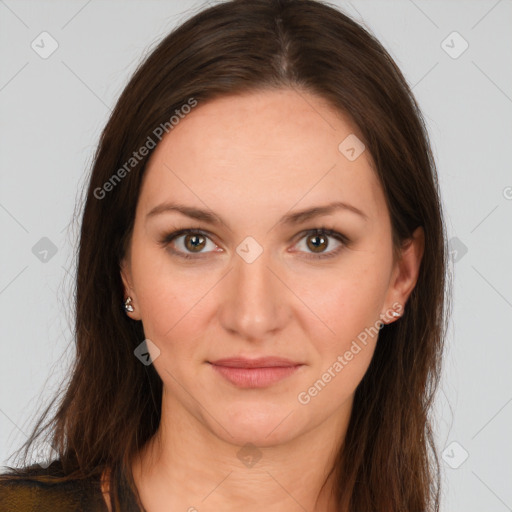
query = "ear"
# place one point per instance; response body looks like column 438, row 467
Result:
column 129, row 291
column 405, row 275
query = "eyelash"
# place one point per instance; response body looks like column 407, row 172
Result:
column 167, row 239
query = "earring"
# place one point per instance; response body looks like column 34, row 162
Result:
column 128, row 305
column 395, row 314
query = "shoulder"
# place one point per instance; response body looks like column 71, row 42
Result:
column 40, row 489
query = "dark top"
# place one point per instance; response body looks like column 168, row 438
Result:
column 25, row 494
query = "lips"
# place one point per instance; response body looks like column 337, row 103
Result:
column 261, row 362
column 255, row 373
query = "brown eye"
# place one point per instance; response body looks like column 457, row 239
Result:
column 317, row 243
column 195, row 242
column 189, row 243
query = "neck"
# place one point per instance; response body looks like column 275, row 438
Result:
column 186, row 466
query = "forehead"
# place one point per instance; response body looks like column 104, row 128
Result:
column 266, row 150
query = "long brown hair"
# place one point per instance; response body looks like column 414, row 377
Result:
column 111, row 405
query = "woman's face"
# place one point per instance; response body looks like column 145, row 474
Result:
column 254, row 281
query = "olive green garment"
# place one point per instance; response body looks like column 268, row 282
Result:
column 27, row 494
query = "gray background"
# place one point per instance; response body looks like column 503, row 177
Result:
column 52, row 111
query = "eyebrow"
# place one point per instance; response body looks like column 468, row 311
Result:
column 290, row 218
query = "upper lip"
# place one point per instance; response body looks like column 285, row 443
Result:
column 260, row 362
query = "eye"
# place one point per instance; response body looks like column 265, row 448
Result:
column 188, row 243
column 318, row 240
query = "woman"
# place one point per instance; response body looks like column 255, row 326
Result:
column 261, row 277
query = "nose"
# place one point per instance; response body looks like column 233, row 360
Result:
column 255, row 300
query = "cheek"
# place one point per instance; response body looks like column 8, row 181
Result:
column 169, row 297
column 345, row 302
column 345, row 328
column 343, row 344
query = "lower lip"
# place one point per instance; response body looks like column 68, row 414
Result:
column 255, row 377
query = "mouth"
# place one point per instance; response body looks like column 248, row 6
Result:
column 255, row 373
column 260, row 362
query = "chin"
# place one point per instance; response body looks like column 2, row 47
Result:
column 261, row 425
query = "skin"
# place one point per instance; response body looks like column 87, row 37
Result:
column 251, row 159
